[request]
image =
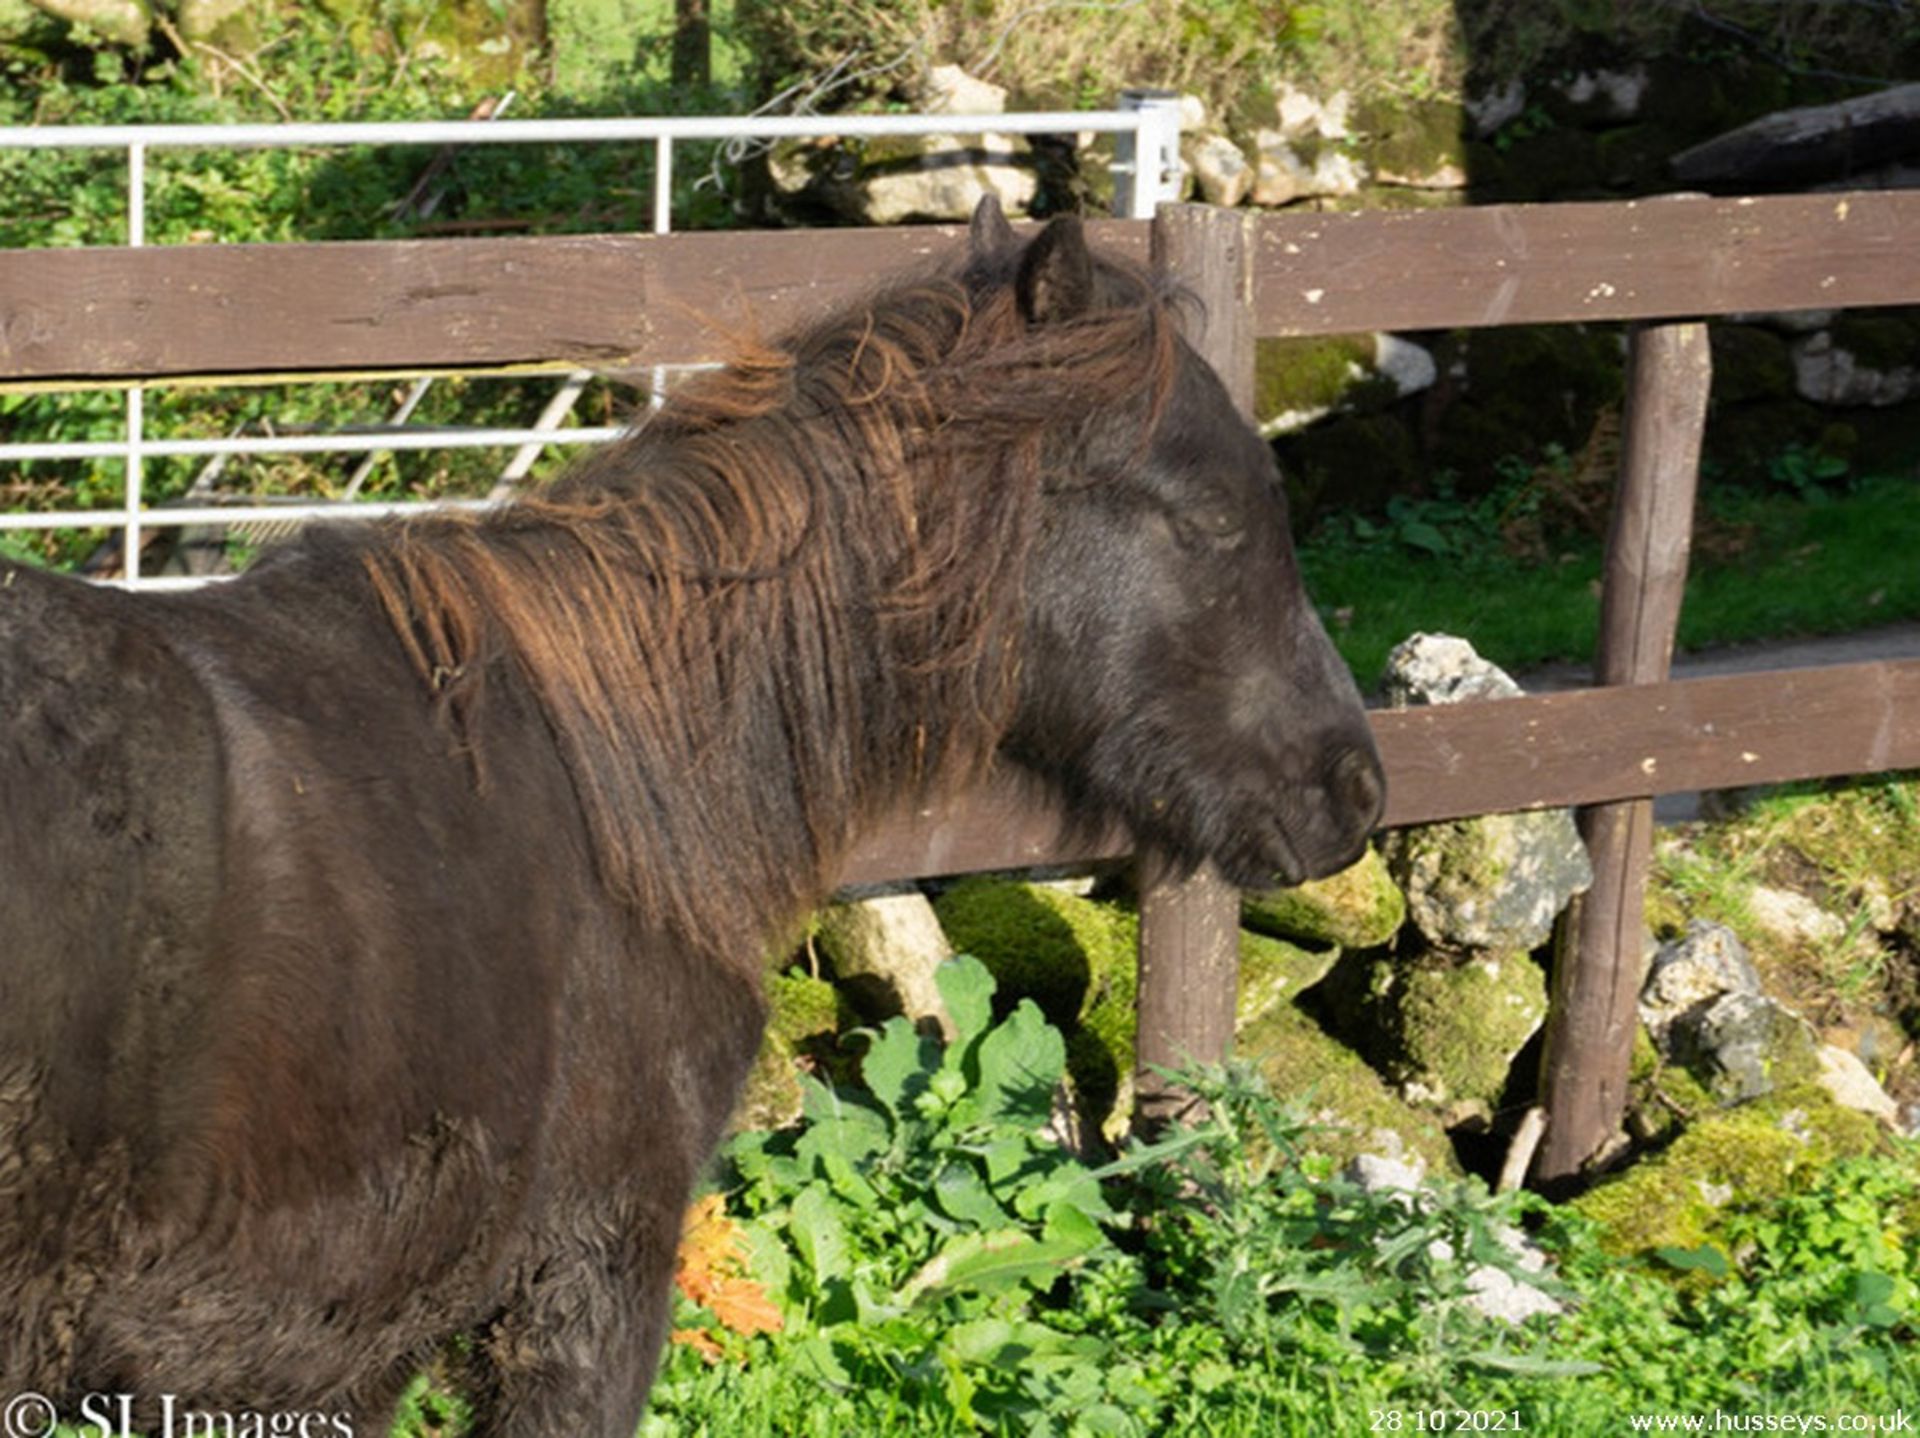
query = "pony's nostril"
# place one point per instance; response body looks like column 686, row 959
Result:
column 1358, row 781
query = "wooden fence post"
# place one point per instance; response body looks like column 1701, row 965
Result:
column 1190, row 928
column 1597, row 976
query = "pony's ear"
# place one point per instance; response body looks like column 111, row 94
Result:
column 1056, row 273
column 988, row 233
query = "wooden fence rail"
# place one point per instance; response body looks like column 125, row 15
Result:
column 246, row 312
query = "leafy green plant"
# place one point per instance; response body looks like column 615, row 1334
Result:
column 1808, row 473
column 910, row 1232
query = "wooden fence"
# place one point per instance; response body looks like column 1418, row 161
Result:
column 133, row 314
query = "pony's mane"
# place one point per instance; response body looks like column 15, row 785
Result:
column 793, row 594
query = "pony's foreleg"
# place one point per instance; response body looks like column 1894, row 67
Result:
column 574, row 1350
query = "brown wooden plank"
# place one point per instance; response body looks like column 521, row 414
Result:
column 222, row 309
column 1645, row 259
column 597, row 300
column 1591, row 746
column 1583, row 746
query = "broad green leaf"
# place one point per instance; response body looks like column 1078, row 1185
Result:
column 1705, row 1259
column 967, row 987
column 1003, row 1341
column 1069, row 1184
column 961, row 1194
column 985, row 1262
column 1020, row 1064
column 851, row 1135
column 817, row 1352
column 1069, row 1226
column 900, row 1064
column 1529, row 1366
column 814, row 1221
column 770, row 1265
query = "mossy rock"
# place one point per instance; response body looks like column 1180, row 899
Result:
column 1359, row 1112
column 1298, row 378
column 1039, row 943
column 1358, row 908
column 803, row 1017
column 1450, row 1028
column 1885, row 340
column 1076, row 959
column 1743, row 441
column 1274, row 972
column 1411, row 140
column 1759, row 1151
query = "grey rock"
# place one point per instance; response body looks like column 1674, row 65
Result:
column 1827, row 374
column 1689, row 974
column 1442, row 669
column 1490, row 883
column 1496, row 882
column 1741, row 1042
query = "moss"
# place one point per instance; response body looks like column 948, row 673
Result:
column 1076, row 959
column 1275, row 972
column 1412, row 139
column 1308, row 376
column 1632, row 159
column 1743, row 440
column 1740, row 1156
column 1358, row 908
column 803, row 1018
column 1527, row 386
column 1878, row 341
column 1453, row 1028
column 1039, row 943
column 1301, row 1062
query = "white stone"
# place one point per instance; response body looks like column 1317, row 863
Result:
column 895, row 942
column 1219, row 167
column 1301, row 116
column 1282, row 176
column 1793, row 916
column 949, row 90
column 1622, row 90
column 1442, row 669
column 1827, row 374
column 1496, row 107
column 1408, row 365
column 1852, row 1084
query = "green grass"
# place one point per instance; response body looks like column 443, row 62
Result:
column 1766, row 566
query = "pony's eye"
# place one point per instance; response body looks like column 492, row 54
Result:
column 1213, row 526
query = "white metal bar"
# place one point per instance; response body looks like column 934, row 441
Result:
column 316, row 443
column 507, row 132
column 663, row 185
column 548, row 423
column 173, row 517
column 134, row 476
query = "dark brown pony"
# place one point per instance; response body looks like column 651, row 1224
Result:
column 380, row 934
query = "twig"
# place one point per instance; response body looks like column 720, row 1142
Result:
column 1526, row 1140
